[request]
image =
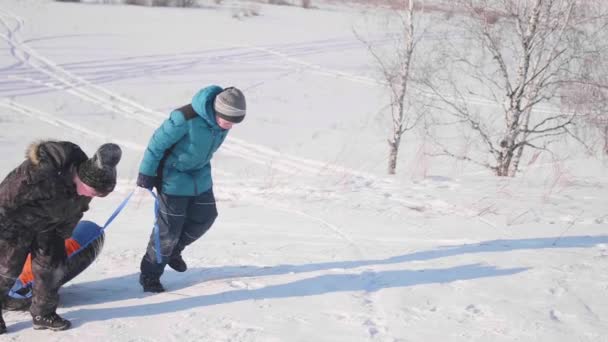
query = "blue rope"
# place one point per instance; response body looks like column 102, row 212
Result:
column 159, row 257
column 156, row 227
column 118, row 210
column 153, row 194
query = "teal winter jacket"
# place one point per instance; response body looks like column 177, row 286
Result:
column 189, row 145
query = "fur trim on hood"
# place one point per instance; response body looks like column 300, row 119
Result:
column 55, row 154
column 32, row 152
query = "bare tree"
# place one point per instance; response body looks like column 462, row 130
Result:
column 590, row 96
column 396, row 69
column 520, row 57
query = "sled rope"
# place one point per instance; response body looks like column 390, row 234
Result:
column 123, row 204
column 118, row 210
column 156, row 231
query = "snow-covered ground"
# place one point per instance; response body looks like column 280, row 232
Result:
column 314, row 241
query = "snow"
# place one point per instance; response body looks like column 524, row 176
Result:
column 314, row 241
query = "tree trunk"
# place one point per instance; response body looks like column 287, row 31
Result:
column 516, row 160
column 606, row 139
column 504, row 160
column 392, row 156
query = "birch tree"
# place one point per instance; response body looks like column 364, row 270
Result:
column 521, row 58
column 396, row 64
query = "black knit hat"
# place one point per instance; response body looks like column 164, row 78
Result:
column 99, row 172
column 230, row 105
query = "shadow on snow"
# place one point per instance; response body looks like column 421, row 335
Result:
column 127, row 287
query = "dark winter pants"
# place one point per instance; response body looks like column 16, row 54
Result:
column 48, row 258
column 180, row 220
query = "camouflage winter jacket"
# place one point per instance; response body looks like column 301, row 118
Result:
column 40, row 195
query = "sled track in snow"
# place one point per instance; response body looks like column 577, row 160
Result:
column 10, row 33
column 248, row 54
column 99, row 71
column 53, row 120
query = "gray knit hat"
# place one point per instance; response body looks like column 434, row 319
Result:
column 230, row 105
column 99, row 172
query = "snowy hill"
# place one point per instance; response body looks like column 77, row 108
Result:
column 314, row 241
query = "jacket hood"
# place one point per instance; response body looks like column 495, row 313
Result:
column 202, row 103
column 57, row 154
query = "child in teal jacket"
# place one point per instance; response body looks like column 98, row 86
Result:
column 177, row 162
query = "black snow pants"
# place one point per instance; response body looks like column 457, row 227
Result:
column 180, row 220
column 48, row 261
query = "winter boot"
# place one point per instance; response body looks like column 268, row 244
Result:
column 52, row 321
column 2, row 325
column 177, row 263
column 151, row 283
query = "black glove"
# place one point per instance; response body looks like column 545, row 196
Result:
column 145, row 181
